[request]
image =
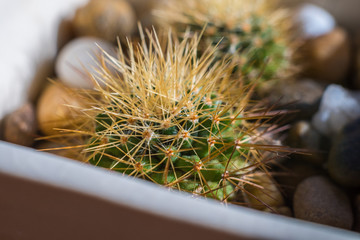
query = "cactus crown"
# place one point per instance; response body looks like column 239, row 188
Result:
column 174, row 118
column 252, row 32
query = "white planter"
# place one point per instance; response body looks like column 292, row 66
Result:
column 48, row 197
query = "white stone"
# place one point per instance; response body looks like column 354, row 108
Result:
column 338, row 107
column 314, row 21
column 78, row 61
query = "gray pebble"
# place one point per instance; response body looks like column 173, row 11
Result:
column 294, row 171
column 344, row 157
column 303, row 135
column 357, row 213
column 302, row 95
column 339, row 106
column 318, row 200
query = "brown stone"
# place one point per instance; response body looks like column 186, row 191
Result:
column 65, row 33
column 356, row 67
column 283, row 210
column 318, row 200
column 293, row 171
column 143, row 10
column 20, row 126
column 265, row 195
column 56, row 109
column 328, row 57
column 105, row 19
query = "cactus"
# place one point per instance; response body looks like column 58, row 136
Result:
column 250, row 31
column 174, row 118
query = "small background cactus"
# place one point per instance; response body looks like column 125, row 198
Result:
column 252, row 32
column 176, row 119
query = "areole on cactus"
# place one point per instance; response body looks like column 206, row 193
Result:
column 174, row 118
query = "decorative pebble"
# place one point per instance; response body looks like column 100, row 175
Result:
column 356, row 81
column 20, row 126
column 357, row 213
column 303, row 91
column 65, row 33
column 284, row 210
column 328, row 56
column 267, row 195
column 344, row 157
column 318, row 200
column 314, row 21
column 143, row 10
column 78, row 60
column 303, row 135
column 303, row 95
column 292, row 173
column 106, row 19
column 53, row 109
column 338, row 107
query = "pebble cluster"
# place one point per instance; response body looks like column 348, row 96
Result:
column 324, row 185
column 321, row 186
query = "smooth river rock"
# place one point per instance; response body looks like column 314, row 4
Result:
column 314, row 21
column 265, row 195
column 56, row 109
column 344, row 158
column 20, row 126
column 318, row 200
column 106, row 19
column 303, row 135
column 338, row 107
column 327, row 57
column 78, row 62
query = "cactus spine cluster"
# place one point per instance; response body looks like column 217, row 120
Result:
column 250, row 31
column 174, row 118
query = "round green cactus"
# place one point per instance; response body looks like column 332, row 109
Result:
column 253, row 33
column 191, row 149
column 176, row 119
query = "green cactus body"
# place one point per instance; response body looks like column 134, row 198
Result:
column 197, row 145
column 243, row 30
